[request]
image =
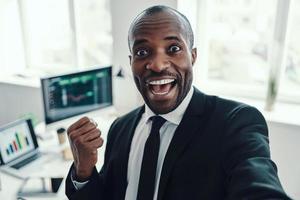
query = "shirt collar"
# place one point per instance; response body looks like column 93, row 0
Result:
column 176, row 115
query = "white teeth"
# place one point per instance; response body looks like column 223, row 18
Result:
column 161, row 82
column 160, row 93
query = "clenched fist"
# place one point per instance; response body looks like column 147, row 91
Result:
column 85, row 139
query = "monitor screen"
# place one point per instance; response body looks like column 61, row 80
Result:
column 76, row 93
column 16, row 139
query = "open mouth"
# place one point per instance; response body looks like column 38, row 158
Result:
column 162, row 86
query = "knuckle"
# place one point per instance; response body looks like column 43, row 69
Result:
column 100, row 141
column 92, row 125
column 85, row 118
column 96, row 131
column 73, row 126
column 77, row 123
column 89, row 126
column 78, row 141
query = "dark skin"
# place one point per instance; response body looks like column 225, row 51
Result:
column 160, row 50
column 85, row 139
column 161, row 60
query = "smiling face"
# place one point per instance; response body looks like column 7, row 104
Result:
column 161, row 59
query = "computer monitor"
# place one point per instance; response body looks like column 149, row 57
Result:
column 72, row 94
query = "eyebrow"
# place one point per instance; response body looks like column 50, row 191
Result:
column 137, row 42
column 141, row 41
column 172, row 38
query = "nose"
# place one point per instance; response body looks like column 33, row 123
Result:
column 159, row 62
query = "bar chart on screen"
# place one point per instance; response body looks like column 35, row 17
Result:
column 17, row 144
column 15, row 141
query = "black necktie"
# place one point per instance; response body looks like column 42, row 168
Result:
column 148, row 169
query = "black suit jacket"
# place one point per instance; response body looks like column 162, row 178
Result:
column 220, row 150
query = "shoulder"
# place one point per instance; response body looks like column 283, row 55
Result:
column 238, row 111
column 128, row 118
column 227, row 111
column 122, row 126
column 125, row 123
column 240, row 120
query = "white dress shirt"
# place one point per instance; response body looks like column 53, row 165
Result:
column 141, row 134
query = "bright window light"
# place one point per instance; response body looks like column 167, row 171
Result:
column 290, row 85
column 247, row 48
column 94, row 37
column 11, row 45
column 53, row 36
column 48, row 35
column 239, row 35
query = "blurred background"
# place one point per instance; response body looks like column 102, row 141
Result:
column 248, row 50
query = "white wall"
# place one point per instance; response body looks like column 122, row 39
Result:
column 285, row 151
column 18, row 100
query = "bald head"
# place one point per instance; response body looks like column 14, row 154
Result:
column 156, row 10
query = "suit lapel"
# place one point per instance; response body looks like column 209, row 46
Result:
column 192, row 122
column 126, row 138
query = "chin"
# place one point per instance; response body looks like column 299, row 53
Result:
column 161, row 108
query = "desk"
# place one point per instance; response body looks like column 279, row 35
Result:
column 58, row 167
column 10, row 185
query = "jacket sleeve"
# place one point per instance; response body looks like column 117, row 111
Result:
column 96, row 188
column 93, row 189
column 250, row 172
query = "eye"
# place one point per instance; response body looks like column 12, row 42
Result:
column 141, row 53
column 174, row 49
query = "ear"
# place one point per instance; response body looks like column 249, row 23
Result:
column 194, row 55
column 130, row 59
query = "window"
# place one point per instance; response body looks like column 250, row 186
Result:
column 94, row 32
column 239, row 35
column 11, row 48
column 48, row 34
column 244, row 49
column 290, row 86
column 54, row 35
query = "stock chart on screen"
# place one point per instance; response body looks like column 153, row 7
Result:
column 76, row 93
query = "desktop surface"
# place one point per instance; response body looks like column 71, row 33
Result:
column 58, row 167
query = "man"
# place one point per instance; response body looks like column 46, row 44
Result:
column 207, row 147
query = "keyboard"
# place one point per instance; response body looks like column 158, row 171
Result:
column 26, row 161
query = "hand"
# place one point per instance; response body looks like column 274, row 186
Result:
column 85, row 139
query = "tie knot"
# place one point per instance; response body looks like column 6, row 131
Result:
column 157, row 122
